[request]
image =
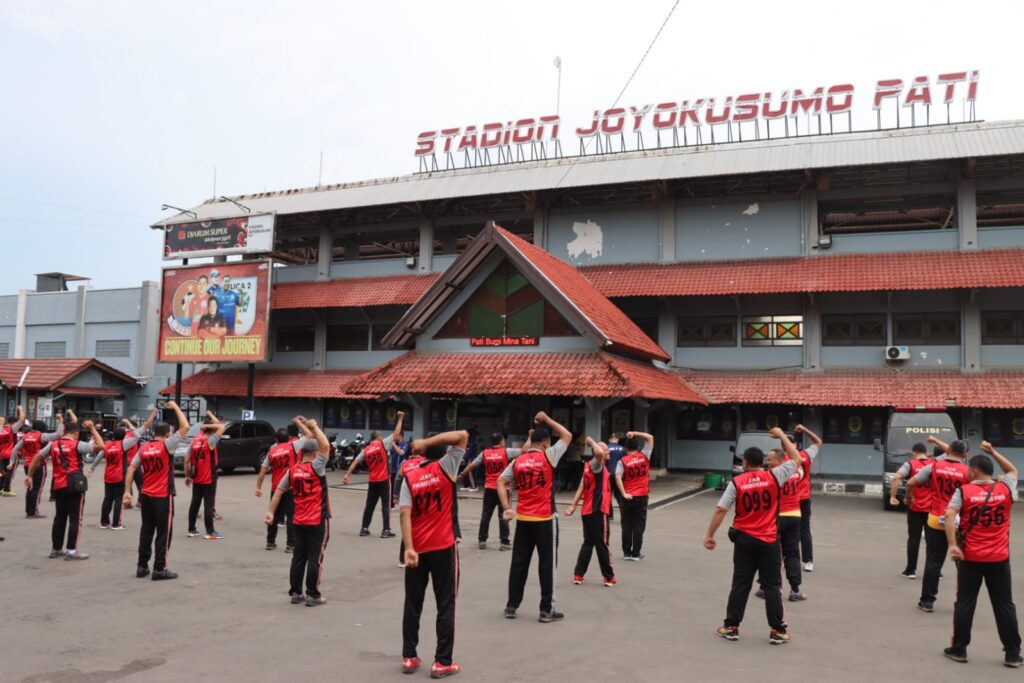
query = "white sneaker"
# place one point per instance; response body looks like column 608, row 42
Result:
column 808, row 566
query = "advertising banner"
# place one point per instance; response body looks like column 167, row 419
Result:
column 219, row 237
column 215, row 313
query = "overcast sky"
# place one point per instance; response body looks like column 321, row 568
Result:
column 111, row 109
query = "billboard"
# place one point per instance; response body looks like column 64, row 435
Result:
column 216, row 312
column 219, row 237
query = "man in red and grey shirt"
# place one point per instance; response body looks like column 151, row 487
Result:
column 431, row 555
column 533, row 474
column 155, row 459
column 918, row 504
column 201, row 464
column 633, row 479
column 279, row 459
column 596, row 492
column 117, row 453
column 8, row 437
column 494, row 460
column 754, row 533
column 30, row 443
column 806, row 457
column 376, row 455
column 789, row 520
column 984, row 509
column 306, row 480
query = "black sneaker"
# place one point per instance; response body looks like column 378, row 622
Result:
column 553, row 615
column 289, row 548
column 298, row 599
column 54, row 554
column 926, row 606
column 759, row 593
column 957, row 655
column 271, row 546
column 510, row 612
column 1013, row 661
column 313, row 602
column 387, row 533
column 141, row 572
column 38, row 515
column 364, row 532
column 482, row 545
column 164, row 575
column 908, row 574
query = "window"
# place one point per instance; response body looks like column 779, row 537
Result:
column 649, row 326
column 854, row 425
column 383, row 416
column 348, row 337
column 50, row 349
column 866, row 329
column 5, row 350
column 926, row 328
column 113, row 348
column 717, row 331
column 714, row 423
column 295, row 338
column 1001, row 327
column 773, row 330
column 234, row 431
column 377, row 336
column 344, row 415
column 1004, row 427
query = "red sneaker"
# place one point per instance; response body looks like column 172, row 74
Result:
column 440, row 670
column 410, row 664
column 578, row 580
column 608, row 583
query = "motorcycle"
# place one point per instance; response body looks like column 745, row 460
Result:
column 348, row 450
column 332, row 458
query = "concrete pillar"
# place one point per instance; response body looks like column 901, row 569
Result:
column 967, row 214
column 79, row 350
column 19, row 324
column 540, row 228
column 667, row 330
column 319, row 340
column 592, row 418
column 668, row 230
column 970, row 339
column 149, row 329
column 426, row 260
column 812, row 334
column 809, row 220
column 421, row 417
column 324, row 254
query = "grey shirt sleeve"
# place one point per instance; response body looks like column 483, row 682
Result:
column 405, row 497
column 212, row 441
column 451, row 459
column 596, row 466
column 956, row 502
column 513, row 453
column 783, row 472
column 1011, row 482
column 173, row 441
column 478, row 460
column 647, row 449
column 266, row 463
column 47, row 437
column 283, row 484
column 728, row 498
column 389, row 442
column 619, row 469
column 16, row 449
column 556, row 452
column 320, row 465
column 45, row 450
column 924, row 475
column 136, row 461
column 812, row 452
column 904, row 470
column 84, row 447
column 507, row 476
column 130, row 441
column 96, row 462
column 361, row 458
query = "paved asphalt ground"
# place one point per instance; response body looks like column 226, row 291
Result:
column 227, row 618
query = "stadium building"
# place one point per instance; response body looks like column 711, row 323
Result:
column 692, row 291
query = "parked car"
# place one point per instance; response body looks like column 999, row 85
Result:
column 243, row 444
column 905, row 428
column 760, row 439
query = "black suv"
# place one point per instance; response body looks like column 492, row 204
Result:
column 244, row 444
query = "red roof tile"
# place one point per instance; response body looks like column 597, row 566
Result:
column 89, row 391
column 268, row 383
column 385, row 290
column 553, row 374
column 910, row 389
column 48, row 373
column 617, row 328
column 833, row 273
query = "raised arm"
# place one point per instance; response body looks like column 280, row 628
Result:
column 183, row 424
column 47, row 437
column 561, row 433
column 1007, row 466
column 97, row 440
column 148, row 424
column 815, row 439
column 323, row 445
column 21, row 419
column 300, row 422
column 398, row 426
column 939, row 442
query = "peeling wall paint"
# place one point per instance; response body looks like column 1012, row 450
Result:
column 589, row 240
column 737, row 230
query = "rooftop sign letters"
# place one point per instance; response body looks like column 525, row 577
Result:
column 693, row 122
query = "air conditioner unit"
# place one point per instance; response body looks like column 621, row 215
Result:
column 897, row 353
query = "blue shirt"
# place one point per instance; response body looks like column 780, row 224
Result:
column 615, row 453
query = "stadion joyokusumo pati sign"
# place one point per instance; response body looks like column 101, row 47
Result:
column 679, row 117
column 216, row 312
